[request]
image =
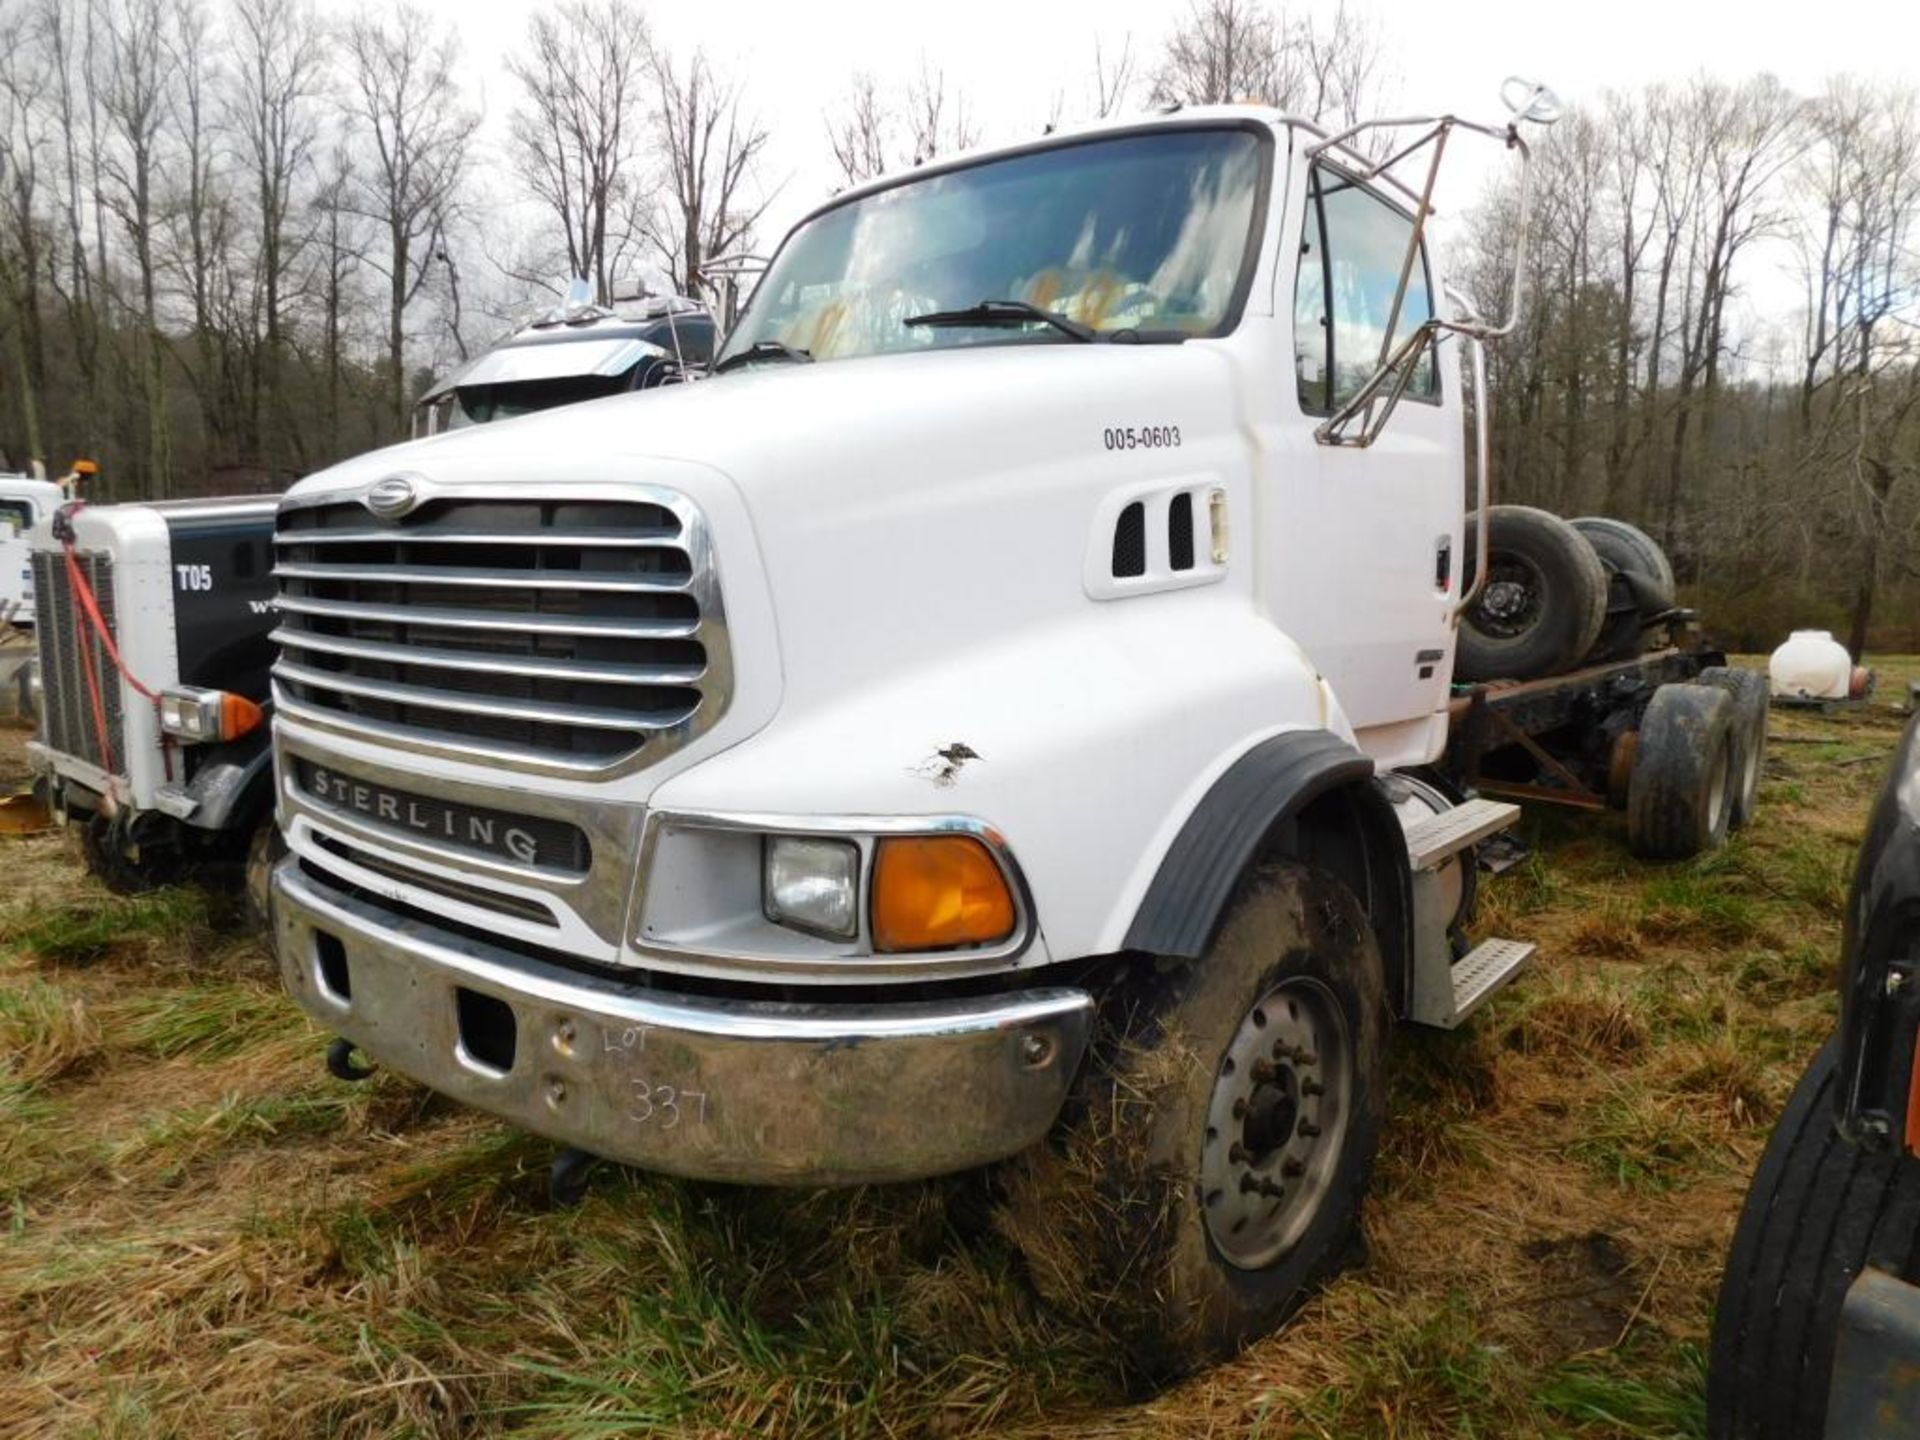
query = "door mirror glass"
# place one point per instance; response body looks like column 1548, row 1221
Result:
column 1353, row 245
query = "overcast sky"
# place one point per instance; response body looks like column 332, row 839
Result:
column 1012, row 57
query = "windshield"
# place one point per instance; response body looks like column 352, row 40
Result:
column 1144, row 232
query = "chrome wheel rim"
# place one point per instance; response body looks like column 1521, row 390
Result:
column 1276, row 1123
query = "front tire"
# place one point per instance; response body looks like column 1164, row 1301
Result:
column 1217, row 1149
column 265, row 849
column 126, row 866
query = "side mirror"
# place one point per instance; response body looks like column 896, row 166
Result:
column 1529, row 100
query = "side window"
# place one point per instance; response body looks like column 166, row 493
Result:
column 1353, row 244
column 16, row 517
column 695, row 335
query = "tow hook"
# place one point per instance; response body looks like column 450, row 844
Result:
column 567, row 1180
column 341, row 1064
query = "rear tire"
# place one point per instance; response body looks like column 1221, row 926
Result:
column 1748, row 691
column 1543, row 604
column 1210, row 1173
column 1818, row 1211
column 1679, row 799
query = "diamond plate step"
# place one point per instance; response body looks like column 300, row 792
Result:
column 1484, row 971
column 1432, row 840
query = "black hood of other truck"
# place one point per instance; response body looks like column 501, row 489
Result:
column 1880, row 962
column 222, row 557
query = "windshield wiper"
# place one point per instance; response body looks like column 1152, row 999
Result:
column 763, row 350
column 990, row 314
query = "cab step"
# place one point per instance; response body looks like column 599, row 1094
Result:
column 1485, row 970
column 1433, row 840
column 1473, row 980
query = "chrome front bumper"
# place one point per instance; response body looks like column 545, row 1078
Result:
column 715, row 1089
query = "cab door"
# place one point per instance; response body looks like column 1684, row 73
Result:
column 1361, row 546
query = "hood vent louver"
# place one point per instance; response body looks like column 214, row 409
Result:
column 1130, row 542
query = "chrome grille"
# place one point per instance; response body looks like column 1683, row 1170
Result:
column 67, row 721
column 549, row 633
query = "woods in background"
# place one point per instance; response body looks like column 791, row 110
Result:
column 235, row 238
column 1775, row 453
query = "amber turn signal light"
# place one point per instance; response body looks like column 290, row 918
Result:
column 938, row 892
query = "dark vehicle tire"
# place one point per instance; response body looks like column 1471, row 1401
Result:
column 265, row 849
column 1640, row 584
column 124, row 867
column 1818, row 1211
column 1543, row 604
column 1679, row 798
column 1748, row 691
column 1209, row 1171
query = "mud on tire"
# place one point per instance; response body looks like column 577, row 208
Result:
column 1124, row 1217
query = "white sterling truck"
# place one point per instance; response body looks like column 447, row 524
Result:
column 984, row 719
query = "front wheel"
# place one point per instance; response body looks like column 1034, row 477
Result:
column 125, row 865
column 265, row 848
column 1210, row 1170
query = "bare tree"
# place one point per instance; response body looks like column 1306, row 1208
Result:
column 710, row 148
column 201, row 216
column 273, row 112
column 936, row 125
column 1223, row 51
column 1113, row 79
column 1860, row 390
column 138, row 70
column 1336, row 66
column 64, row 42
column 576, row 136
column 1746, row 136
column 861, row 132
column 22, row 143
column 339, row 244
column 409, row 102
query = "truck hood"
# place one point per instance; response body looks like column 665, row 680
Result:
column 903, row 507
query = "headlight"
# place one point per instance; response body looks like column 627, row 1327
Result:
column 206, row 716
column 813, row 885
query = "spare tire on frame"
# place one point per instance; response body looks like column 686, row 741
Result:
column 1543, row 603
column 1640, row 584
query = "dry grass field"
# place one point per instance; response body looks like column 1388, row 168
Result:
column 201, row 1233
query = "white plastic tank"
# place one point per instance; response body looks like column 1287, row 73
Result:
column 1811, row 665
